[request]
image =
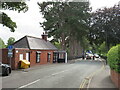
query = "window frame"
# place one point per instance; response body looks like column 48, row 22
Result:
column 38, row 57
column 48, row 56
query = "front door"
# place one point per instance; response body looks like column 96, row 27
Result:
column 27, row 56
column 21, row 57
column 55, row 57
column 48, row 57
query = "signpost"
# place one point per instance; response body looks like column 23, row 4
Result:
column 10, row 53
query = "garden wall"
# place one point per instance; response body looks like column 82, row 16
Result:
column 115, row 78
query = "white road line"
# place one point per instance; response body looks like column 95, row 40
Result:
column 29, row 83
column 40, row 79
column 51, row 68
column 59, row 72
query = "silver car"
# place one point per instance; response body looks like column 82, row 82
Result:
column 5, row 69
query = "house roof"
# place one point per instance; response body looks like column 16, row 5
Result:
column 34, row 43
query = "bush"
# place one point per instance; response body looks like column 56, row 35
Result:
column 113, row 58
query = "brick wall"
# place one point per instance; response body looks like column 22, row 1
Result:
column 32, row 57
column 4, row 58
column 17, row 53
column 43, row 57
column 16, row 57
column 115, row 77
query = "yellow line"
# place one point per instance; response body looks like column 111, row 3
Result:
column 81, row 86
column 90, row 76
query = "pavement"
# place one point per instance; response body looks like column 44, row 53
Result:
column 102, row 79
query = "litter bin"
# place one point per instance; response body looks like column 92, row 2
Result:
column 24, row 64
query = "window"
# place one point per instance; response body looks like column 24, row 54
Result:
column 49, row 57
column 55, row 57
column 38, row 56
column 61, row 56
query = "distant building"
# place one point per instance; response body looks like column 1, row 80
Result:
column 35, row 50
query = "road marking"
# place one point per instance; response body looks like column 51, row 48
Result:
column 82, row 84
column 59, row 72
column 88, row 78
column 23, row 72
column 40, row 79
column 30, row 83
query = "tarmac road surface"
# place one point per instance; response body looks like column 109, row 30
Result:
column 52, row 76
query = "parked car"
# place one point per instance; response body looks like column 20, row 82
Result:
column 5, row 69
column 89, row 56
column 96, row 56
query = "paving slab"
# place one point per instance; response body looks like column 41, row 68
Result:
column 102, row 79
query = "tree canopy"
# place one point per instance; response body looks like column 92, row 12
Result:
column 105, row 26
column 15, row 6
column 2, row 44
column 66, row 21
column 64, row 17
column 10, row 41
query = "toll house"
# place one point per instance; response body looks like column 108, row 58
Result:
column 36, row 50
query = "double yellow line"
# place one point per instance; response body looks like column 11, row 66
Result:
column 87, row 80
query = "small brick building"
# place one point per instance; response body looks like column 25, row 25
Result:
column 35, row 50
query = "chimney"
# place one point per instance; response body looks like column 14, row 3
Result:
column 44, row 36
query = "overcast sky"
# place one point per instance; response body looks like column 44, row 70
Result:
column 28, row 23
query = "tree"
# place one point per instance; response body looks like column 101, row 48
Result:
column 102, row 49
column 66, row 22
column 2, row 44
column 10, row 41
column 105, row 26
column 5, row 20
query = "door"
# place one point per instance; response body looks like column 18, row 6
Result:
column 55, row 57
column 21, row 57
column 27, row 57
column 48, row 57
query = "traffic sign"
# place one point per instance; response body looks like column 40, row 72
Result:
column 10, row 47
column 10, row 54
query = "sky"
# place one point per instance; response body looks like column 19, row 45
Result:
column 28, row 23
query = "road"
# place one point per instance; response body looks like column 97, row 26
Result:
column 61, row 75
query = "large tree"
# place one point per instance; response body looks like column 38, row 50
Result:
column 5, row 20
column 2, row 44
column 66, row 22
column 105, row 26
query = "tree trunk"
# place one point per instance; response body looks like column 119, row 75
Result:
column 63, row 46
column 71, row 51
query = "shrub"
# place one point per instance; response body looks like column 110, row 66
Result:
column 113, row 58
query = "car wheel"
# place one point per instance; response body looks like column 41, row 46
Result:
column 7, row 71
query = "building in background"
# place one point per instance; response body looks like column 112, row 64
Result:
column 35, row 50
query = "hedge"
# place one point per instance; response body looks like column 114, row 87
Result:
column 113, row 57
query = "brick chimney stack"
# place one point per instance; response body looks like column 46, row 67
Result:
column 44, row 36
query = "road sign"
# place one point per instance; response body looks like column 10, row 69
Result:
column 10, row 54
column 10, row 47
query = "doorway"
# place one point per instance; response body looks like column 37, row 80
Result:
column 28, row 57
